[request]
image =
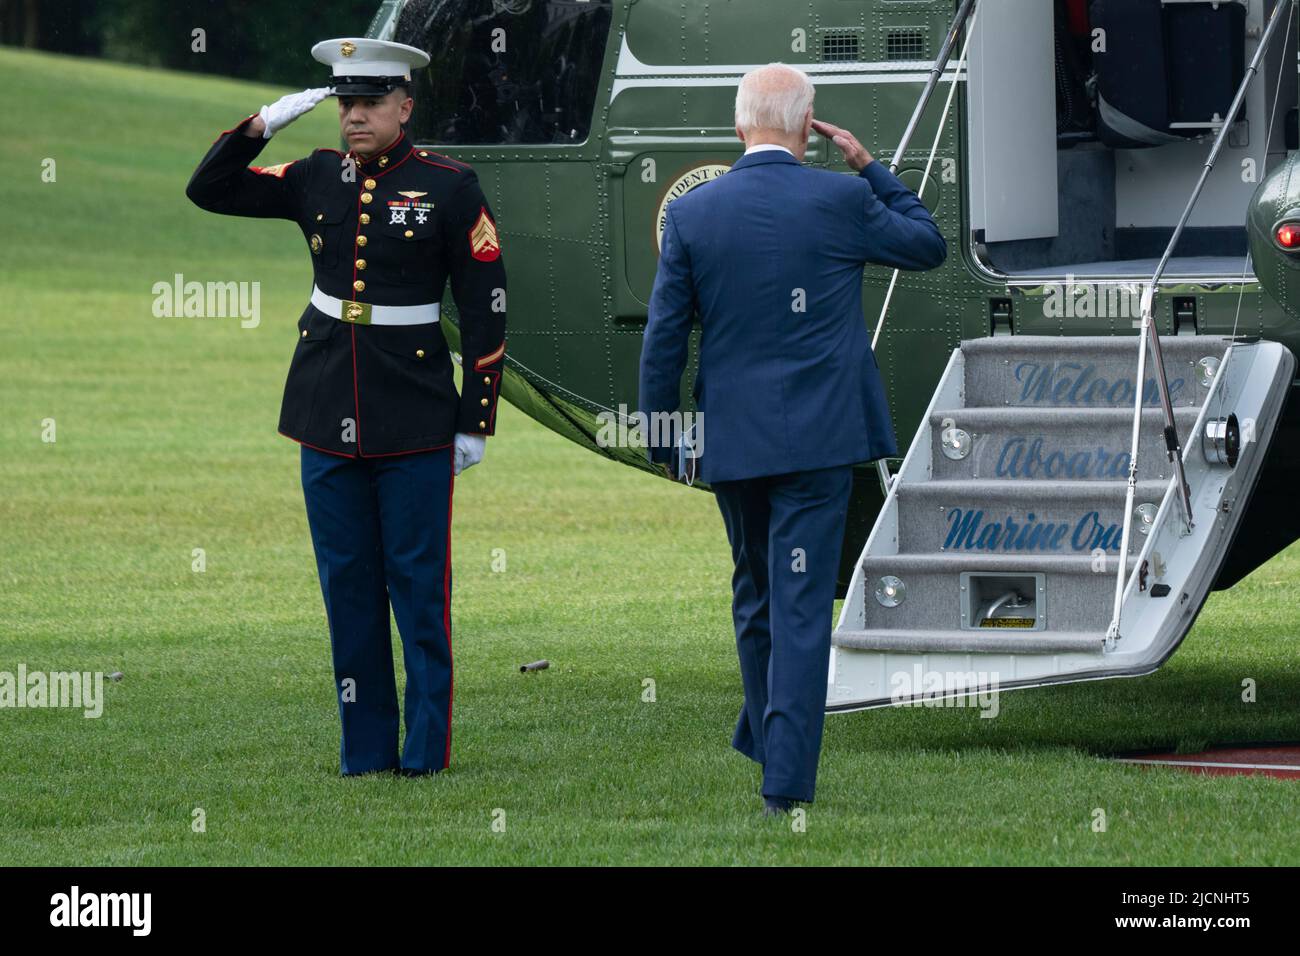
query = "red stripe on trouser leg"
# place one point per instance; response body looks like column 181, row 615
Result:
column 446, row 608
column 416, row 538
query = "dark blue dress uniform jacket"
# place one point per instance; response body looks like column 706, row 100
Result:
column 389, row 231
column 780, row 390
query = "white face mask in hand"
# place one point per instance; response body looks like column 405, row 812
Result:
column 469, row 451
column 288, row 108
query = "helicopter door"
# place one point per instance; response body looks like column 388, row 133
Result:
column 1170, row 72
column 1013, row 121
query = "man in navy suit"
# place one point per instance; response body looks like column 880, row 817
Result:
column 769, row 257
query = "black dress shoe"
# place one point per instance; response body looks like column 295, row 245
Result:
column 777, row 806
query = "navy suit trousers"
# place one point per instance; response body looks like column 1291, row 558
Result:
column 786, row 532
column 381, row 529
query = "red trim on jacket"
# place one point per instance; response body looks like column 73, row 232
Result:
column 356, row 397
column 375, row 172
column 384, row 172
column 413, row 451
column 387, row 149
column 315, row 447
column 429, row 162
column 385, row 454
column 237, row 126
column 278, row 170
column 452, row 158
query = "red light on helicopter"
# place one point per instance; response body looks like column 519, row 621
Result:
column 1288, row 236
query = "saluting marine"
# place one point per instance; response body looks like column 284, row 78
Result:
column 370, row 394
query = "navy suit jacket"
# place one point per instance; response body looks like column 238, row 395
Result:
column 770, row 257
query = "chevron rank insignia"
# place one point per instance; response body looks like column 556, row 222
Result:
column 277, row 171
column 483, row 244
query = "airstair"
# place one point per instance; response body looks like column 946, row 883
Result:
column 1067, row 502
column 995, row 558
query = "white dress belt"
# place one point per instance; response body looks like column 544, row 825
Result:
column 366, row 313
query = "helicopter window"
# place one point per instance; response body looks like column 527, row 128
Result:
column 505, row 72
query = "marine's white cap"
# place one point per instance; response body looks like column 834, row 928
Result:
column 365, row 67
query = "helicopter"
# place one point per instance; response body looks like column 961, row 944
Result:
column 1094, row 396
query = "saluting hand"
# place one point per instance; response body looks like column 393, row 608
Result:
column 855, row 154
column 287, row 109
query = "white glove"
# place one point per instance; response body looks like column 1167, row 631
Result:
column 469, row 451
column 288, row 108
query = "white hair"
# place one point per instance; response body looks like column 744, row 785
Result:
column 775, row 96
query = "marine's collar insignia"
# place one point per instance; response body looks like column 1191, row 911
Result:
column 483, row 244
column 393, row 154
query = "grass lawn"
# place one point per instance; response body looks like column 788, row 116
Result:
column 166, row 443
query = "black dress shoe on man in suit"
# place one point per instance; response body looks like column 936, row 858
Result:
column 777, row 806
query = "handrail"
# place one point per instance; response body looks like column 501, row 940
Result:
column 1217, row 387
column 1149, row 331
column 931, row 83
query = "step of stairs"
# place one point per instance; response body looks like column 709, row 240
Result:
column 1051, row 443
column 1040, row 517
column 1091, row 372
column 988, row 641
column 1076, row 590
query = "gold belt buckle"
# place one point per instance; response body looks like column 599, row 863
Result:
column 357, row 313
